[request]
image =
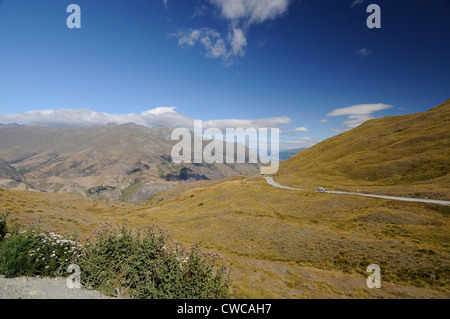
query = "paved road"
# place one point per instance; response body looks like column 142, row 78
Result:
column 421, row 200
column 275, row 184
column 43, row 288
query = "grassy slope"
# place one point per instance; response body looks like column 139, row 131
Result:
column 278, row 243
column 405, row 155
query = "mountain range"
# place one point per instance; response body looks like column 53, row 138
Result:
column 125, row 162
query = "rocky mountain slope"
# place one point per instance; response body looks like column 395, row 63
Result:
column 114, row 162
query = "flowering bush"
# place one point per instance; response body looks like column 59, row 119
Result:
column 35, row 252
column 141, row 265
column 149, row 265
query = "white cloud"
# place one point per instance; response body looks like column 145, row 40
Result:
column 166, row 2
column 212, row 43
column 237, row 123
column 209, row 39
column 251, row 11
column 160, row 116
column 240, row 14
column 357, row 120
column 301, row 129
column 322, row 121
column 361, row 109
column 219, row 50
column 238, row 42
column 358, row 114
column 337, row 130
column 188, row 38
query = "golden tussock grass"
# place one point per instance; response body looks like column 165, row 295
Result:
column 401, row 155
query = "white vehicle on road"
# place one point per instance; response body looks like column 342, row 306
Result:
column 321, row 189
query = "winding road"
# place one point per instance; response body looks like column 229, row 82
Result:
column 270, row 181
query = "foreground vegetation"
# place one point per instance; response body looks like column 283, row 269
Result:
column 409, row 241
column 33, row 252
column 116, row 262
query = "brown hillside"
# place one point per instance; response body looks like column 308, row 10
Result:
column 278, row 243
column 408, row 155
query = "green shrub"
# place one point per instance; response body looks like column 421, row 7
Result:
column 3, row 228
column 33, row 252
column 149, row 265
column 141, row 265
column 419, row 276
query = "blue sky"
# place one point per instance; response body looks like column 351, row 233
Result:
column 311, row 67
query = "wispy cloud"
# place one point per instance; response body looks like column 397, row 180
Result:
column 363, row 53
column 261, row 44
column 210, row 40
column 358, row 114
column 337, row 130
column 361, row 109
column 301, row 129
column 240, row 14
column 213, row 44
column 248, row 12
column 239, row 123
column 356, row 3
column 160, row 116
column 199, row 11
column 238, row 42
column 293, row 132
column 356, row 120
